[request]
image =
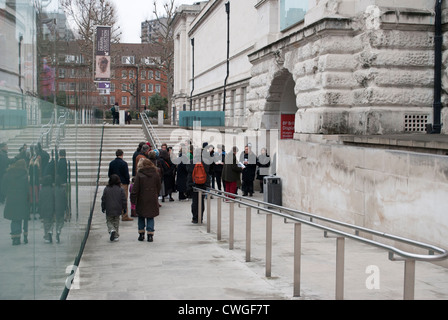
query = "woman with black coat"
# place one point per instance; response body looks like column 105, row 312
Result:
column 17, row 207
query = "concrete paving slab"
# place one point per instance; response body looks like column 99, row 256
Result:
column 186, row 262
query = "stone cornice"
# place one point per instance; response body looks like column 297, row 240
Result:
column 327, row 25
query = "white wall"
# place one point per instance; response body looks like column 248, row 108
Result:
column 397, row 192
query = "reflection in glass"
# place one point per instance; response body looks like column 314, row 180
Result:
column 46, row 130
column 291, row 12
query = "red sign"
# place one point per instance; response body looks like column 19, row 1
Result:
column 287, row 126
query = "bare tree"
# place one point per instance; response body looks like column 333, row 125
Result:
column 165, row 40
column 86, row 14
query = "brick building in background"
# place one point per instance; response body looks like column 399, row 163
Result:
column 135, row 77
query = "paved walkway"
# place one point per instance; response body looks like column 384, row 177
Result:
column 186, row 262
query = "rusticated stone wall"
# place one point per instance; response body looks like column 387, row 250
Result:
column 366, row 75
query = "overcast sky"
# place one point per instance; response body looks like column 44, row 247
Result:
column 131, row 13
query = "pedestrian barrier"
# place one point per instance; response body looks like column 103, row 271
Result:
column 89, row 223
column 299, row 218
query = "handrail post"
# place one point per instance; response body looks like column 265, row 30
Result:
column 268, row 244
column 199, row 207
column 208, row 212
column 340, row 246
column 297, row 258
column 409, row 279
column 218, row 222
column 248, row 233
column 231, row 224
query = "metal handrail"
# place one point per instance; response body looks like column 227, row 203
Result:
column 151, row 133
column 431, row 248
column 408, row 257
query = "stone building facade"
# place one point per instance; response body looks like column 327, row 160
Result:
column 344, row 70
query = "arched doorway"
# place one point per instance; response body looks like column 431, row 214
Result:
column 281, row 104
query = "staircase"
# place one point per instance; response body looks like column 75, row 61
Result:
column 85, row 150
column 82, row 146
column 171, row 135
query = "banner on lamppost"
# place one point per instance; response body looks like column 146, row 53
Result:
column 102, row 58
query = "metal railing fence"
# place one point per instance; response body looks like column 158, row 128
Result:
column 395, row 254
column 150, row 133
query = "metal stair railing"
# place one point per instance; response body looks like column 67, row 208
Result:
column 150, row 132
column 395, row 254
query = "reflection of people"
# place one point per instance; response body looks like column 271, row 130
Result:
column 46, row 207
column 102, row 67
column 47, row 78
column 4, row 164
column 17, row 208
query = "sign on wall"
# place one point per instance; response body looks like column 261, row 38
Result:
column 287, row 126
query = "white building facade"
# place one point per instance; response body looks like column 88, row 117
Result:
column 338, row 68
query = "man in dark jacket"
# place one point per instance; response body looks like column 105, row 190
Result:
column 17, row 207
column 197, row 157
column 120, row 168
column 249, row 160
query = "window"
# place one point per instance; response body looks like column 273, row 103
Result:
column 124, row 87
column 143, row 87
column 157, row 75
column 243, row 100
column 61, row 73
column 124, row 74
column 158, row 88
column 131, row 74
column 291, row 12
column 150, row 87
column 150, row 75
column 143, row 101
column 127, row 60
column 143, row 74
column 112, row 100
column 124, row 101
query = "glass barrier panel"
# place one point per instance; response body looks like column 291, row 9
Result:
column 49, row 150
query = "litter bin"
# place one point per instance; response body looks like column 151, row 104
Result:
column 272, row 190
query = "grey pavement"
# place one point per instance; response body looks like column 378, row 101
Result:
column 185, row 262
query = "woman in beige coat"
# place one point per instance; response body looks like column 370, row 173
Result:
column 145, row 195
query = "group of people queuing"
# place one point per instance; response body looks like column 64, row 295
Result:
column 158, row 173
column 33, row 185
